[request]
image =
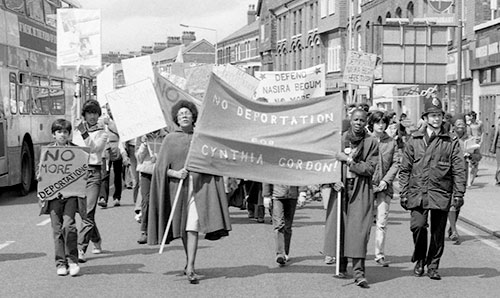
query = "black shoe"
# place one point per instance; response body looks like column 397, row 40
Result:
column 362, row 283
column 419, row 268
column 433, row 274
column 143, row 239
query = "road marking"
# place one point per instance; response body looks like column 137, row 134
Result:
column 483, row 239
column 44, row 222
column 7, row 243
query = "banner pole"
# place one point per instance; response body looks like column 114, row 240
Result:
column 337, row 253
column 169, row 223
column 172, row 212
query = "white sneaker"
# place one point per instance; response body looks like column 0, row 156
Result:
column 74, row 269
column 62, row 271
column 287, row 258
column 138, row 217
column 97, row 248
column 81, row 256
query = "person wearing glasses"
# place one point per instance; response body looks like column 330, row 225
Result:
column 202, row 206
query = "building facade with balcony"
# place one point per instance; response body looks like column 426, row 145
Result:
column 241, row 48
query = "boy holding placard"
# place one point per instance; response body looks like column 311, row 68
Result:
column 62, row 212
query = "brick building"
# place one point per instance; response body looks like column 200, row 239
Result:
column 241, row 47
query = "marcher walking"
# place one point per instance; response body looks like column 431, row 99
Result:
column 360, row 157
column 202, row 206
column 432, row 178
column 284, row 200
column 146, row 155
column 95, row 138
column 62, row 212
column 385, row 172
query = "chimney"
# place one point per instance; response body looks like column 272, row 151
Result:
column 251, row 14
column 187, row 37
column 173, row 41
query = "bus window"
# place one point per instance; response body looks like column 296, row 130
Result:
column 24, row 94
column 50, row 13
column 15, row 5
column 41, row 101
column 13, row 93
column 57, row 106
column 34, row 10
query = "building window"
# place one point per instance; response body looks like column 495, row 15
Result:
column 331, row 7
column 368, row 35
column 410, row 9
column 300, row 28
column 398, row 13
column 13, row 93
column 284, row 26
column 311, row 16
column 333, row 59
column 388, row 15
column 323, row 9
column 294, row 26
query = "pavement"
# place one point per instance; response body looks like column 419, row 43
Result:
column 482, row 200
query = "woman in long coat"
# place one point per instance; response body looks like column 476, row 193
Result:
column 202, row 206
column 360, row 156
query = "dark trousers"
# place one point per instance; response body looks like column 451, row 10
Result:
column 89, row 231
column 358, row 267
column 283, row 213
column 145, row 186
column 62, row 217
column 255, row 200
column 117, row 166
column 418, row 226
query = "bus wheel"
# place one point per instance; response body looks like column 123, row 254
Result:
column 27, row 170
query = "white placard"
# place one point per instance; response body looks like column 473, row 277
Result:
column 78, row 37
column 105, row 84
column 282, row 86
column 137, row 69
column 359, row 68
column 136, row 110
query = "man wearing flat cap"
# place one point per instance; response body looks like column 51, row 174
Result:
column 432, row 178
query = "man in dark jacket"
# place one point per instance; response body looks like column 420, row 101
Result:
column 432, row 177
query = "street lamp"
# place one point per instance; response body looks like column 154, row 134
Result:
column 205, row 28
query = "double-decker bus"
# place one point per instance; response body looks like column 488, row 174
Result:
column 33, row 90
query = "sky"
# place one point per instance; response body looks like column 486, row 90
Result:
column 127, row 25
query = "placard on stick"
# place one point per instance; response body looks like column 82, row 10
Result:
column 136, row 110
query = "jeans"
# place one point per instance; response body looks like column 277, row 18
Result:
column 382, row 205
column 133, row 168
column 145, row 186
column 358, row 267
column 283, row 213
column 117, row 180
column 89, row 231
column 418, row 226
column 62, row 217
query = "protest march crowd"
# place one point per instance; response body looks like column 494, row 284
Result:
column 430, row 164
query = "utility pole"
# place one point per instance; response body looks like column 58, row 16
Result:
column 458, row 102
column 350, row 97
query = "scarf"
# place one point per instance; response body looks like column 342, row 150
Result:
column 355, row 140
